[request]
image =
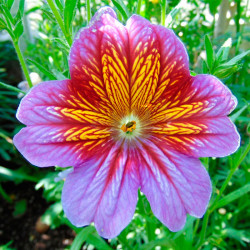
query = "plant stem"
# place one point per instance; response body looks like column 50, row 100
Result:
column 204, row 228
column 230, row 176
column 163, row 12
column 60, row 21
column 196, row 226
column 7, row 86
column 138, row 10
column 88, row 11
column 23, row 64
column 212, row 208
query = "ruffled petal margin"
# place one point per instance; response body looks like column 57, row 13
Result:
column 174, row 184
column 61, row 130
column 99, row 64
column 197, row 125
column 103, row 190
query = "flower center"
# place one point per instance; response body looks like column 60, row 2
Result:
column 129, row 127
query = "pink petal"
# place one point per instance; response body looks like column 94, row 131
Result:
column 104, row 191
column 99, row 64
column 56, row 102
column 195, row 123
column 159, row 64
column 63, row 145
column 204, row 137
column 174, row 184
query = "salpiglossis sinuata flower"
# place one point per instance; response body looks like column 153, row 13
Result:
column 130, row 117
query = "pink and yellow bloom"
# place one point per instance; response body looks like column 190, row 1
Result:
column 130, row 117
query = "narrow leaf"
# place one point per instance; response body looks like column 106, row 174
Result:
column 233, row 196
column 59, row 5
column 21, row 7
column 62, row 44
column 42, row 69
column 12, row 88
column 238, row 113
column 18, row 31
column 9, row 4
column 121, row 8
column 7, row 15
column 15, row 175
column 223, row 52
column 2, row 24
column 81, row 237
column 98, row 242
column 69, row 10
column 210, row 53
column 236, row 59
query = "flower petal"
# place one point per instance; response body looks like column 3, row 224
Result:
column 56, row 102
column 174, row 184
column 198, row 125
column 159, row 62
column 64, row 145
column 205, row 137
column 104, row 191
column 145, row 62
column 99, row 64
column 202, row 95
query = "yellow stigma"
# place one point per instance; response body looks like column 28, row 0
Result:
column 128, row 127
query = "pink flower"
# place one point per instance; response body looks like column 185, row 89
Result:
column 130, row 117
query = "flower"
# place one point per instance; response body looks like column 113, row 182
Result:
column 130, row 117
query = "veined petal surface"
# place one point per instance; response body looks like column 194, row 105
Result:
column 63, row 145
column 61, row 130
column 99, row 64
column 103, row 190
column 159, row 65
column 174, row 184
column 198, row 125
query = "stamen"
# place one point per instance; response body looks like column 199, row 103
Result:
column 129, row 127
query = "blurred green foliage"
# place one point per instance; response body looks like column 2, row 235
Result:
column 46, row 35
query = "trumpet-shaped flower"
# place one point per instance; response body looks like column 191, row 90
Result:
column 130, row 117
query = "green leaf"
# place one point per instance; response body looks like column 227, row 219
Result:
column 7, row 15
column 49, row 14
column 7, row 246
column 204, row 67
column 2, row 24
column 236, row 59
column 226, row 71
column 223, row 52
column 21, row 7
column 82, row 237
column 18, row 30
column 12, row 88
column 62, row 44
column 43, row 69
column 233, row 196
column 59, row 5
column 210, row 53
column 172, row 15
column 166, row 243
column 121, row 8
column 69, row 11
column 98, row 242
column 10, row 3
column 238, row 113
column 236, row 234
column 16, row 175
column 52, row 216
